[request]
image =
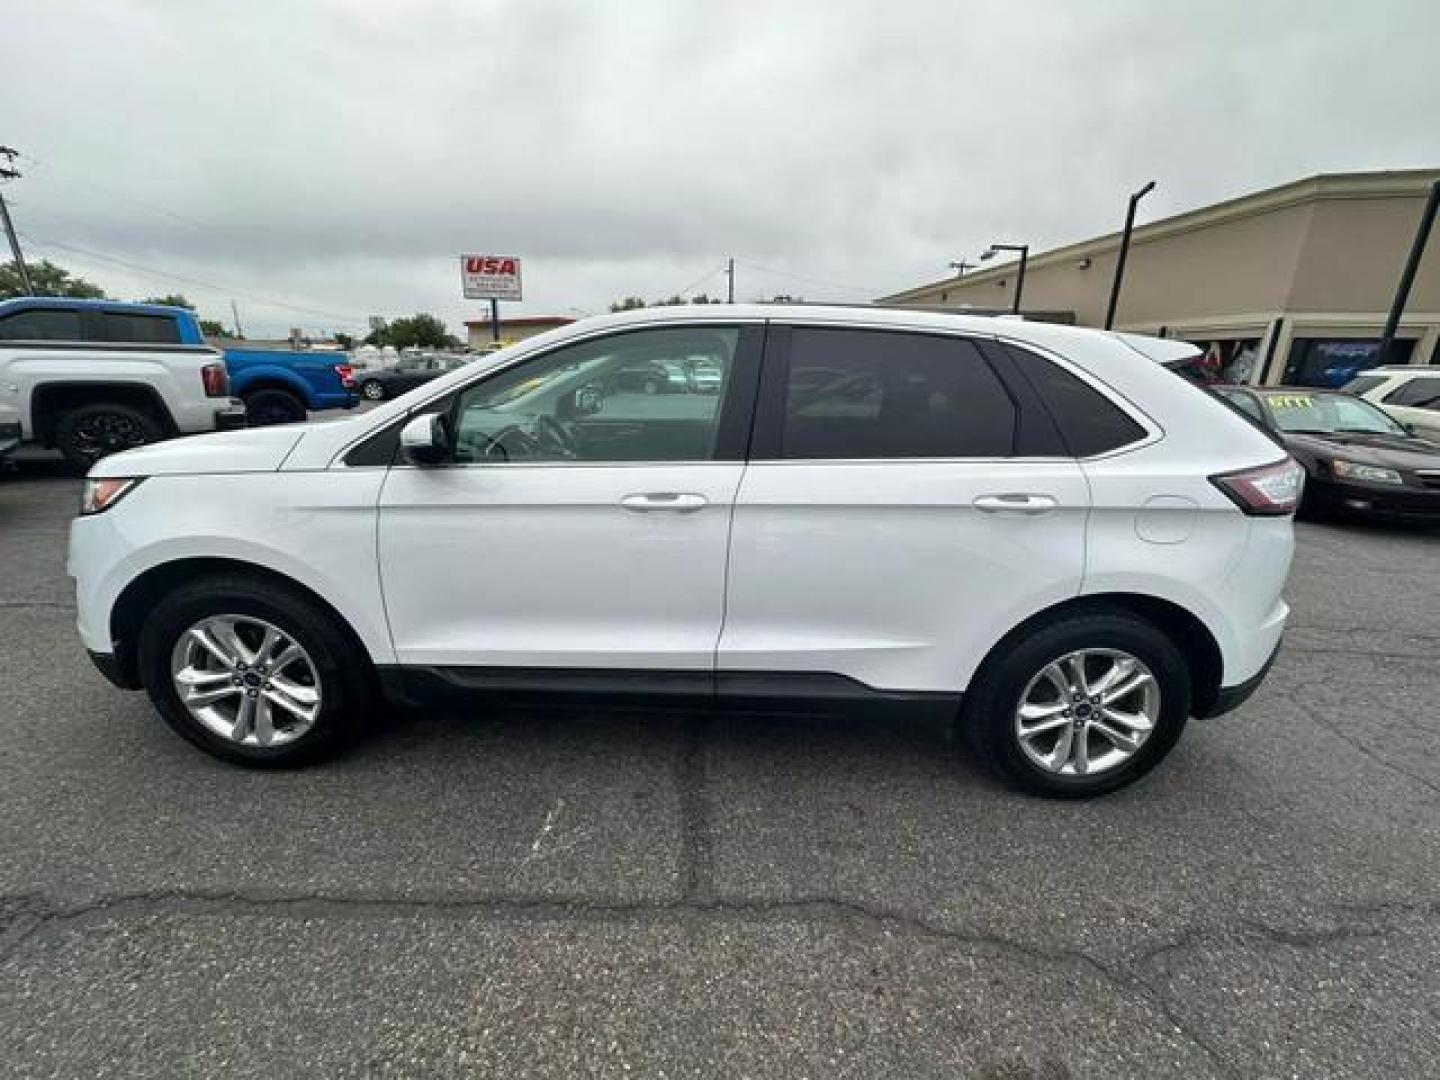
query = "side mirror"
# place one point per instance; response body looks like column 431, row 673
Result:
column 425, row 440
column 586, row 401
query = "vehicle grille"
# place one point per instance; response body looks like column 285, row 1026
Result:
column 1429, row 477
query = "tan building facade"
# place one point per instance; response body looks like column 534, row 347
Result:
column 479, row 334
column 1290, row 285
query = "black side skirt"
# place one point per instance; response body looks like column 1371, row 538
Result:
column 643, row 688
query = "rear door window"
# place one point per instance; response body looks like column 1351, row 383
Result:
column 889, row 394
column 1089, row 422
column 41, row 324
column 1417, row 394
column 127, row 328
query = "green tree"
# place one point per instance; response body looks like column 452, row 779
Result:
column 170, row 300
column 421, row 330
column 630, row 303
column 215, row 328
column 345, row 341
column 48, row 280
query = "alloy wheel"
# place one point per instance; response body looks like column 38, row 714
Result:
column 1088, row 712
column 246, row 680
column 107, row 433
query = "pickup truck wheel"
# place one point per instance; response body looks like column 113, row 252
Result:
column 264, row 407
column 372, row 390
column 86, row 434
column 252, row 672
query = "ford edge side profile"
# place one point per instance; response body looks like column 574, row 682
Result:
column 1036, row 532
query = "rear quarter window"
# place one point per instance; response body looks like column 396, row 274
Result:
column 133, row 329
column 1089, row 422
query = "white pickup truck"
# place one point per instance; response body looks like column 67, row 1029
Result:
column 91, row 377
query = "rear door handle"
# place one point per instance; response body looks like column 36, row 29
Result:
column 1016, row 502
column 677, row 502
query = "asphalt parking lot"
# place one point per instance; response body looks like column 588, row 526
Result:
column 639, row 895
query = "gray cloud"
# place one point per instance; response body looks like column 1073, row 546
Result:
column 339, row 155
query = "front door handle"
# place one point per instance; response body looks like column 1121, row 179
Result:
column 677, row 502
column 1016, row 502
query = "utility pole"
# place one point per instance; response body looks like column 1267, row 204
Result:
column 1407, row 278
column 234, row 310
column 1124, row 251
column 730, row 282
column 8, row 172
column 494, row 320
column 961, row 266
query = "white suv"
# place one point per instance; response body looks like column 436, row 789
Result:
column 1037, row 532
column 1410, row 393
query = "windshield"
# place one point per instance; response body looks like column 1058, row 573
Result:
column 1329, row 413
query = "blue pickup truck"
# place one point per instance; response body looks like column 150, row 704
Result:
column 276, row 385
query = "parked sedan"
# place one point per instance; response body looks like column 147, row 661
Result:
column 1357, row 459
column 405, row 376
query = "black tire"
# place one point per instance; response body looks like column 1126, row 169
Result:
column 89, row 432
column 272, row 406
column 987, row 716
column 372, row 390
column 345, row 677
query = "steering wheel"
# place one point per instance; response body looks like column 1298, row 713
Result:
column 551, row 434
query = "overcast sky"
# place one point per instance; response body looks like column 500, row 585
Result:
column 338, row 155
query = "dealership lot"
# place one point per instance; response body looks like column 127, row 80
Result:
column 684, row 895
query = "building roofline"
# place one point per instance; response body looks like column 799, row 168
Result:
column 1395, row 183
column 526, row 320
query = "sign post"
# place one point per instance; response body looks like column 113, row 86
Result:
column 493, row 278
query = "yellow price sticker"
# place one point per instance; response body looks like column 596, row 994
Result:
column 1291, row 401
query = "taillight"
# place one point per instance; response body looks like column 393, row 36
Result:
column 347, row 375
column 216, row 380
column 1269, row 491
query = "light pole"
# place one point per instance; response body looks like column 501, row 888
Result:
column 1024, row 250
column 1407, row 276
column 1124, row 251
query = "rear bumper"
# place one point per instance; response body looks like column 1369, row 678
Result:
column 1229, row 698
column 115, row 671
column 231, row 417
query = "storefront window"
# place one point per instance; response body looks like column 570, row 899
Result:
column 1333, row 362
column 1228, row 361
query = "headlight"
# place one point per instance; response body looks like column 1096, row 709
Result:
column 1370, row 474
column 104, row 493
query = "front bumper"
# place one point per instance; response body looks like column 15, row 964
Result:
column 1378, row 500
column 231, row 417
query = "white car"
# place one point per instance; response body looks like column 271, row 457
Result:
column 1410, row 393
column 1035, row 531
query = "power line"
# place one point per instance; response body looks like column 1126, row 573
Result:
column 811, row 280
column 356, row 320
column 77, row 184
column 703, row 278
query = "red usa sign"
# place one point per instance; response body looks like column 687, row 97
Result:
column 490, row 277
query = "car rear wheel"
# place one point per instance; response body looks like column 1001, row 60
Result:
column 254, row 674
column 1080, row 706
column 88, row 433
column 372, row 390
column 265, row 407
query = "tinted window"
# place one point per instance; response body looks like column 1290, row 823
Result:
column 1334, row 362
column 41, row 324
column 882, row 394
column 129, row 328
column 649, row 395
column 1417, row 393
column 1089, row 422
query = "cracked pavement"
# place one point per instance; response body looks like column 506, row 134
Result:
column 568, row 893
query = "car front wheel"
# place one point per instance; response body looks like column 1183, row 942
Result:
column 1080, row 706
column 253, row 673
